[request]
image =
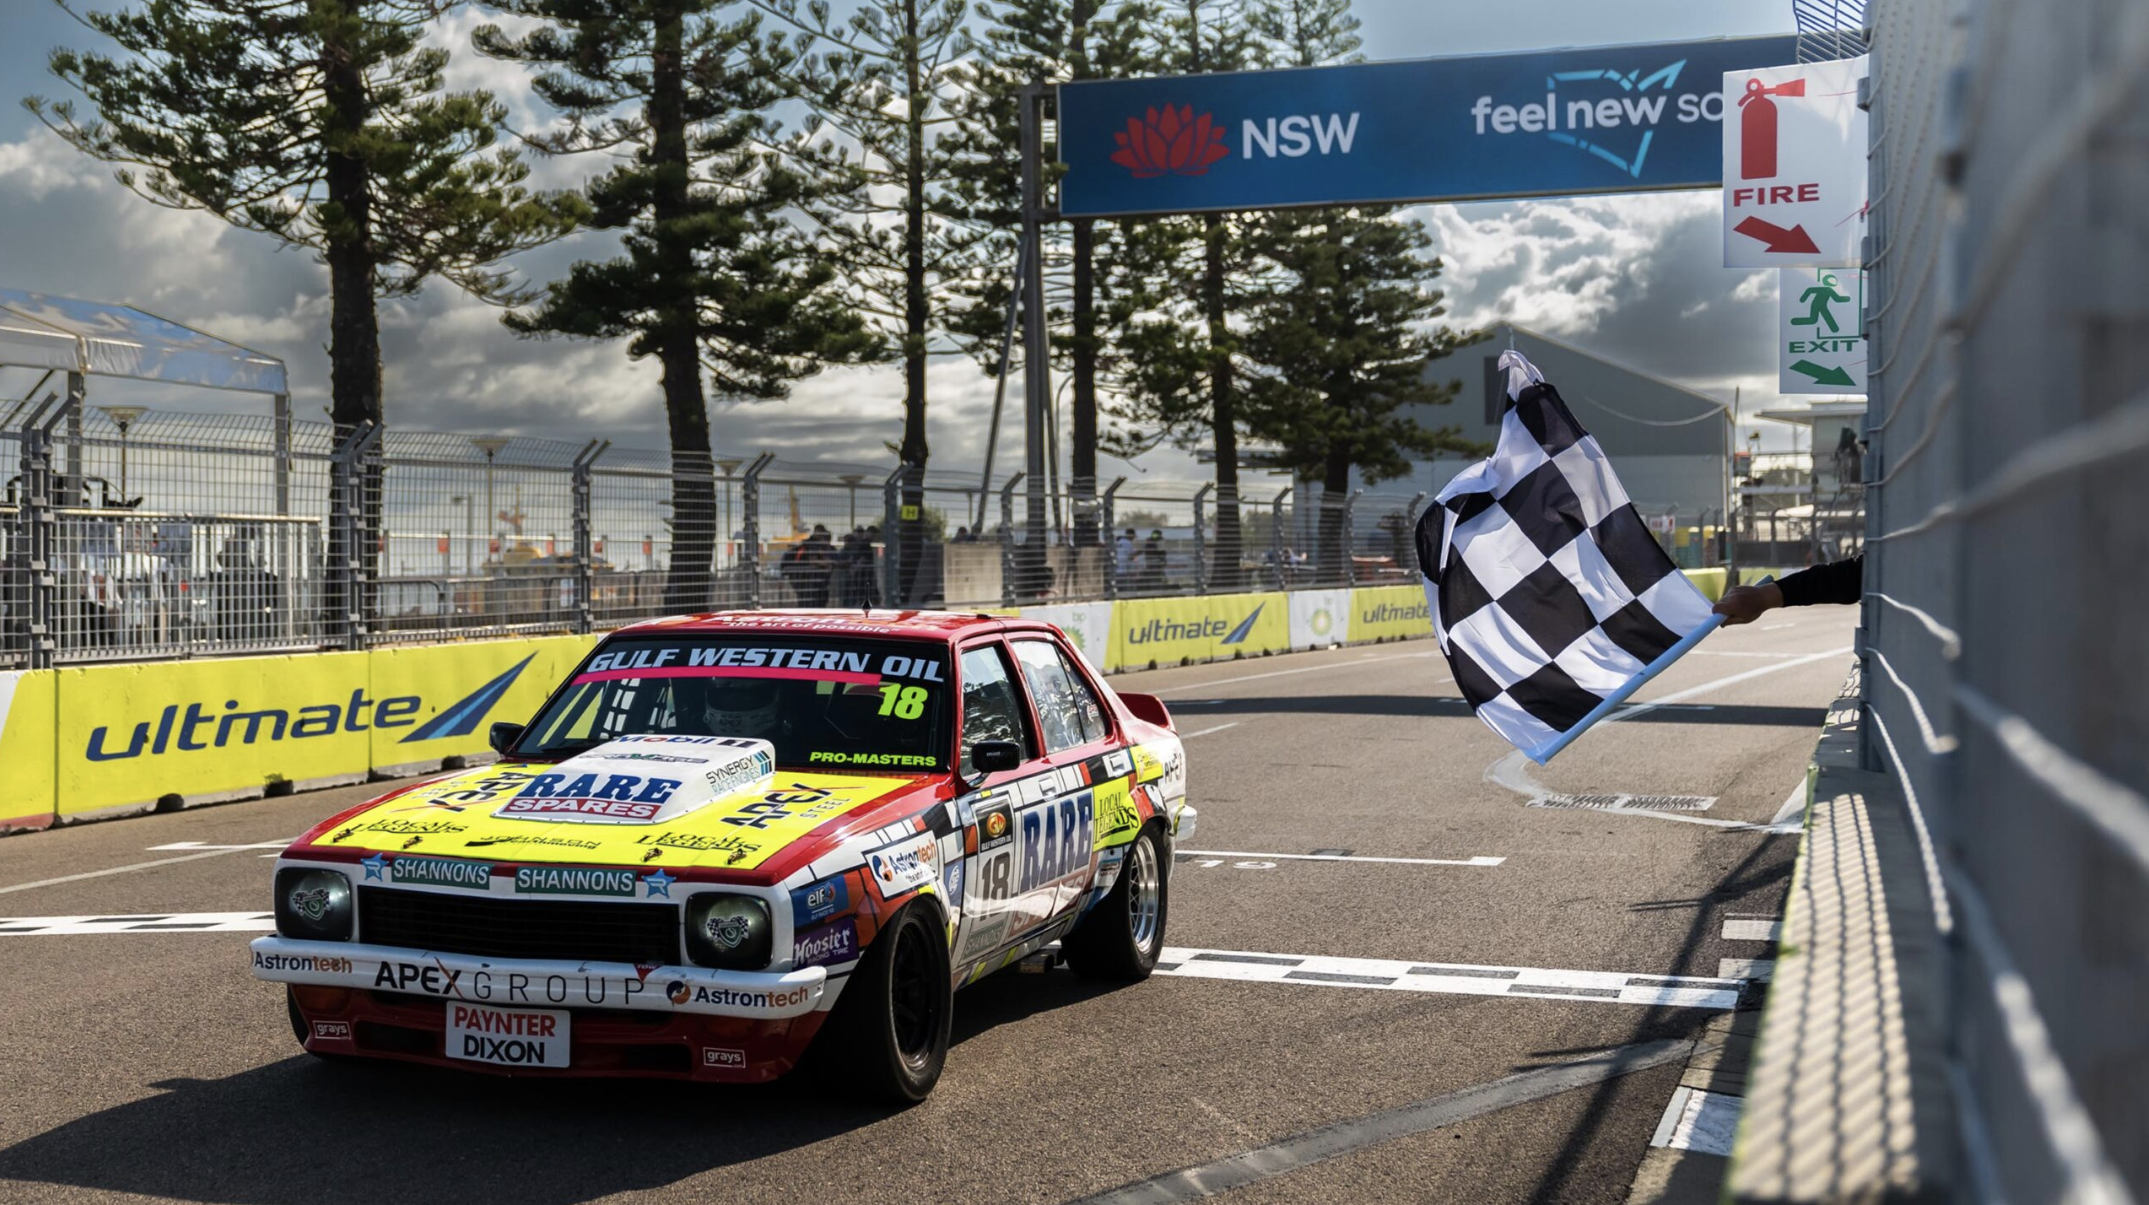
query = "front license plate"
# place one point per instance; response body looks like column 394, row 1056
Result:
column 508, row 1037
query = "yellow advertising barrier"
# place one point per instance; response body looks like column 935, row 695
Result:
column 1389, row 613
column 462, row 689
column 130, row 735
column 1709, row 581
column 27, row 711
column 1169, row 630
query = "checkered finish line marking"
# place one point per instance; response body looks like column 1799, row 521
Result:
column 1602, row 987
column 170, row 922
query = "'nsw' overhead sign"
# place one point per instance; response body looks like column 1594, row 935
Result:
column 1608, row 119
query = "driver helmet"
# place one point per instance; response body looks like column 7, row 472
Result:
column 739, row 707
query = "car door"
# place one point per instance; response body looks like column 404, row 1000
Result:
column 1076, row 732
column 993, row 707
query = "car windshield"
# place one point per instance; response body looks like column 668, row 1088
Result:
column 823, row 703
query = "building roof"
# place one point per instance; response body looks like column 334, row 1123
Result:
column 67, row 334
column 1630, row 412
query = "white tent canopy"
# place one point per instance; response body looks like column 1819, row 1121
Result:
column 65, row 334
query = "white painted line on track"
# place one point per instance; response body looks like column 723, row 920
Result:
column 1753, row 930
column 1703, row 1122
column 1383, row 974
column 1763, row 969
column 1479, row 860
column 1730, row 653
column 98, row 874
column 167, row 922
column 1776, row 627
column 1794, row 806
column 1343, row 1137
column 199, row 845
column 1187, row 736
column 1278, row 673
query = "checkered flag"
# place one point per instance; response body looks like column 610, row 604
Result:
column 1551, row 599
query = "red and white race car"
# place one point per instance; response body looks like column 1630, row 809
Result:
column 724, row 834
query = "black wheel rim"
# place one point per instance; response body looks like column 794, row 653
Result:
column 914, row 1002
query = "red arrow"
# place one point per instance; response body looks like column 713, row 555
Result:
column 1793, row 241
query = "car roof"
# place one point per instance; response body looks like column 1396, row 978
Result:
column 947, row 626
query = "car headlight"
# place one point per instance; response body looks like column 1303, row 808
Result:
column 314, row 905
column 731, row 932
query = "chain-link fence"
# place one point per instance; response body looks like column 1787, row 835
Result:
column 2004, row 684
column 127, row 534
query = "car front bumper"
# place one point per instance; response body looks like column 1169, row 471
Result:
column 540, row 983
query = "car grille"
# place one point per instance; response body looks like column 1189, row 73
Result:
column 494, row 928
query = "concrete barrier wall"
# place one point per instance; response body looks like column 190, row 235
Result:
column 111, row 740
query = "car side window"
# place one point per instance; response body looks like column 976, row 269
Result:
column 1066, row 707
column 992, row 707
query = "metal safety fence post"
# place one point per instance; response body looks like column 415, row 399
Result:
column 891, row 528
column 41, row 521
column 1007, row 540
column 585, row 559
column 1350, row 537
column 750, row 528
column 1111, row 541
column 1276, row 557
column 1201, row 540
column 347, row 555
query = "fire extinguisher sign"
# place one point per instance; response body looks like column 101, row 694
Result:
column 1794, row 166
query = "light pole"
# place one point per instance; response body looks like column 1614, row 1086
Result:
column 123, row 417
column 490, row 445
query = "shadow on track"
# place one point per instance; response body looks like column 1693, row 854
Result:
column 303, row 1132
column 1187, row 710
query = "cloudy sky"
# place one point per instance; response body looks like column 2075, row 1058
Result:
column 1634, row 278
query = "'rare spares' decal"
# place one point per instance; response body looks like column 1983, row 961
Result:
column 741, row 829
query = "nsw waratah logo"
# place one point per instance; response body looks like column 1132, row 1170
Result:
column 1170, row 141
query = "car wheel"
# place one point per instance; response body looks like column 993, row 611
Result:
column 891, row 1024
column 1123, row 935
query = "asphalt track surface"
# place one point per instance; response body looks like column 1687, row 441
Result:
column 150, row 1065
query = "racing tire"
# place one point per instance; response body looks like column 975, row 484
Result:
column 1123, row 935
column 890, row 1029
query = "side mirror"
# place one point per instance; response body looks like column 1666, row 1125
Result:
column 991, row 757
column 504, row 736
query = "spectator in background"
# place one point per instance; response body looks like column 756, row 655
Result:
column 1152, row 573
column 1123, row 557
column 817, row 557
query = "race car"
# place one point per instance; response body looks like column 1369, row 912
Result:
column 728, row 838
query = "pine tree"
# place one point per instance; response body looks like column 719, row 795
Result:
column 1183, row 283
column 321, row 123
column 879, row 84
column 714, row 276
column 324, row 124
column 1343, row 337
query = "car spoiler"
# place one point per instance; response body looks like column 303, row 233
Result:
column 1148, row 707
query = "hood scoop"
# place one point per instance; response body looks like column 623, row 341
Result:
column 650, row 779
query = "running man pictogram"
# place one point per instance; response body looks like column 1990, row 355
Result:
column 1818, row 297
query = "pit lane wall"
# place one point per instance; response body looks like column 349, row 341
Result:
column 88, row 742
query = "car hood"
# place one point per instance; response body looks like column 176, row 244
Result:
column 617, row 806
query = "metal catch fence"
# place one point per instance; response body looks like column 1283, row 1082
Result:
column 128, row 534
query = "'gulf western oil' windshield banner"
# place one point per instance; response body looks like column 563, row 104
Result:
column 1602, row 119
